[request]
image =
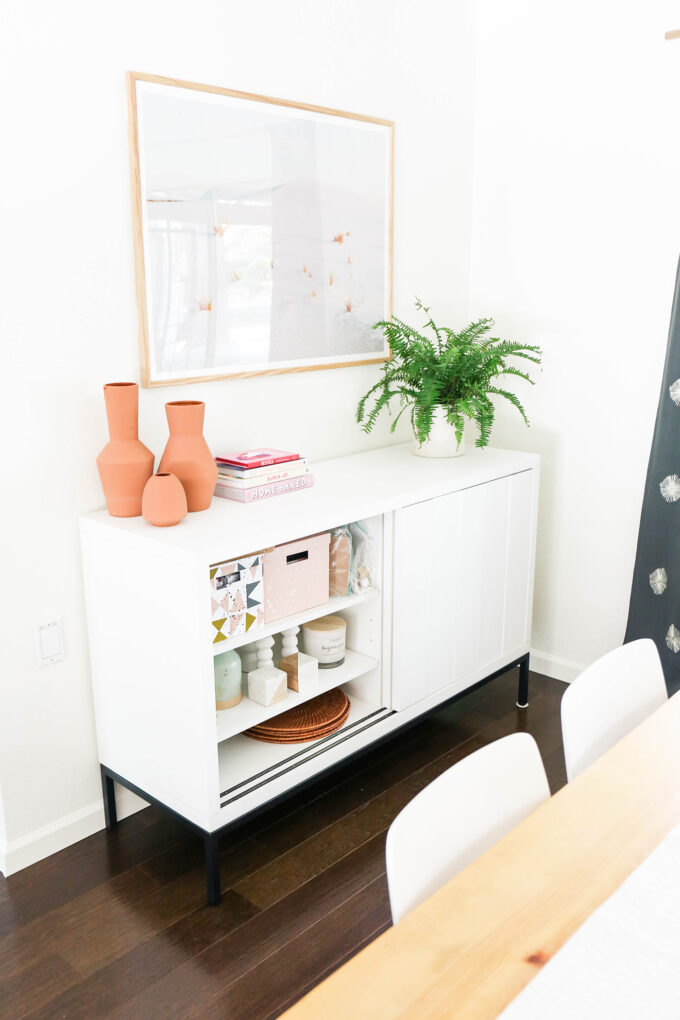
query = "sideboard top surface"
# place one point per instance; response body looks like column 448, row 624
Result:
column 345, row 489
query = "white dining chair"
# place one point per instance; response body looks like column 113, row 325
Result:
column 460, row 815
column 608, row 699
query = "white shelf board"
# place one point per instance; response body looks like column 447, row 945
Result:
column 242, row 759
column 248, row 713
column 334, row 605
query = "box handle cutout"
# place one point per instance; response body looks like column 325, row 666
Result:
column 296, row 557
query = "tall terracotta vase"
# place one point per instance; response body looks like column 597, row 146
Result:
column 186, row 453
column 125, row 463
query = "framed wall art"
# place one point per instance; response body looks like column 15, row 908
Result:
column 263, row 232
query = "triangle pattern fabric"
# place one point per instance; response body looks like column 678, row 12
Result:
column 218, row 625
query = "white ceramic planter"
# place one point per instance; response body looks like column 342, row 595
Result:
column 442, row 440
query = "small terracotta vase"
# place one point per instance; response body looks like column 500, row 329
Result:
column 187, row 455
column 164, row 502
column 125, row 463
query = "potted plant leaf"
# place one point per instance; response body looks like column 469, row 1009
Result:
column 442, row 379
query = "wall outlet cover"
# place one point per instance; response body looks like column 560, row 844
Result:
column 49, row 644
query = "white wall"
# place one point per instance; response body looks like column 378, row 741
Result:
column 68, row 320
column 576, row 231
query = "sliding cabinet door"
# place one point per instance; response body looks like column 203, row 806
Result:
column 462, row 568
column 423, row 656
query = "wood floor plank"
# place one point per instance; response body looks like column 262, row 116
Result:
column 438, row 734
column 134, row 921
column 458, row 721
column 187, row 856
column 30, row 988
column 541, row 720
column 262, row 937
column 32, row 942
column 285, row 833
column 291, row 870
column 117, row 983
column 373, row 816
column 36, row 891
column 555, row 769
column 105, row 923
column 303, row 961
column 298, row 993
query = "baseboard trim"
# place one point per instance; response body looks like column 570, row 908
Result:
column 554, row 666
column 50, row 839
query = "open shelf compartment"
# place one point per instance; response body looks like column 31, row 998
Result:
column 248, row 769
column 246, row 764
column 248, row 713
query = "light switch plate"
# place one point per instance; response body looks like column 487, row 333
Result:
column 49, row 644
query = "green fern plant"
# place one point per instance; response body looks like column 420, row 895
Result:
column 459, row 371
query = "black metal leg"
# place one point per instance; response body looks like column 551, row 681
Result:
column 523, row 690
column 110, row 813
column 212, row 870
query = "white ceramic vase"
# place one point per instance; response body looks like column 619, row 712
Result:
column 442, row 440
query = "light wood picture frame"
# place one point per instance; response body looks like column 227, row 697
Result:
column 263, row 232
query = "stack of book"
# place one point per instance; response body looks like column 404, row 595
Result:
column 258, row 474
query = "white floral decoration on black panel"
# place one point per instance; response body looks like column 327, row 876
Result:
column 673, row 638
column 670, row 488
column 658, row 580
column 674, row 390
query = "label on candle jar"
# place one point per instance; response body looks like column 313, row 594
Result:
column 325, row 640
column 332, row 650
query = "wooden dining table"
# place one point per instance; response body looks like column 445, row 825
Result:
column 470, row 948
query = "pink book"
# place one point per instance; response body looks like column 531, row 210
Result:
column 264, row 491
column 258, row 458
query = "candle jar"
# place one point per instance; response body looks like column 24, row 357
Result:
column 227, row 668
column 325, row 640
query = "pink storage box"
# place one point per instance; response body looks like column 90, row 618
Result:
column 296, row 576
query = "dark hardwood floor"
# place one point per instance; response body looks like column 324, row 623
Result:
column 117, row 924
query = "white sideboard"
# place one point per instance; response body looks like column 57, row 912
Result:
column 451, row 607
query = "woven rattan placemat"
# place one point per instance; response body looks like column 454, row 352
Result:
column 316, row 718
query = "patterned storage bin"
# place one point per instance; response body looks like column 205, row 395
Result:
column 296, row 576
column 237, row 596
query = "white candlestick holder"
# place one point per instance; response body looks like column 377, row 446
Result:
column 302, row 670
column 266, row 684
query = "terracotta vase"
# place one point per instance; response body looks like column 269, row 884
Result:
column 125, row 463
column 164, row 502
column 186, row 453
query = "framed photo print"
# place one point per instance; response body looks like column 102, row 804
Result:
column 263, row 232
